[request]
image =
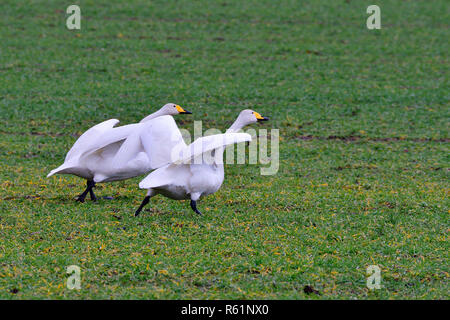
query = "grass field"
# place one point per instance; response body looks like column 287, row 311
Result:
column 364, row 149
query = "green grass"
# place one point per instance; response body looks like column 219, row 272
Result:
column 364, row 151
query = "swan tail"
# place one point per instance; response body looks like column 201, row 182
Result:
column 57, row 170
column 51, row 173
column 66, row 169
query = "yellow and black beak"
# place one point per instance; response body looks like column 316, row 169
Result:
column 181, row 110
column 259, row 117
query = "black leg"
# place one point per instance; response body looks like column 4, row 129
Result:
column 144, row 202
column 194, row 207
column 89, row 185
column 92, row 194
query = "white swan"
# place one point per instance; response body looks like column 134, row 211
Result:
column 188, row 178
column 104, row 153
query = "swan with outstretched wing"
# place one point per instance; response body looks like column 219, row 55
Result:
column 105, row 153
column 197, row 169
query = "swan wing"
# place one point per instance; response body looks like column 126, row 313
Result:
column 175, row 173
column 86, row 141
column 88, row 138
column 127, row 151
column 209, row 143
column 156, row 138
column 106, row 138
column 161, row 140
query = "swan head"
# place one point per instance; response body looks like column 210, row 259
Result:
column 173, row 109
column 245, row 118
column 248, row 116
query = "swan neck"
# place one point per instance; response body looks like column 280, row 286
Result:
column 236, row 126
column 154, row 115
